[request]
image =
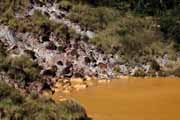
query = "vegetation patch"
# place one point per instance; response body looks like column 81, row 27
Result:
column 15, row 106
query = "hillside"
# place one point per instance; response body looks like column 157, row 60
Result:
column 44, row 42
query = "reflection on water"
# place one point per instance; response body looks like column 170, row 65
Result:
column 133, row 99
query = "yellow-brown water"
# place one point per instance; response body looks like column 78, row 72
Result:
column 133, row 99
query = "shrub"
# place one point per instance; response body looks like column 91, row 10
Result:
column 155, row 66
column 65, row 4
column 20, row 68
column 177, row 72
column 92, row 18
column 170, row 25
column 9, row 7
column 30, row 69
column 23, row 107
column 129, row 35
column 72, row 110
column 140, row 73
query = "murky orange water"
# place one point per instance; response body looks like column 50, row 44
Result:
column 133, row 99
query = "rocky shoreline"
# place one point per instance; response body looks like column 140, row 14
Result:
column 77, row 59
column 61, row 59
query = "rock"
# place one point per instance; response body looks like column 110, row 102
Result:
column 51, row 46
column 80, row 87
column 46, row 93
column 134, row 71
column 68, row 71
column 66, row 91
column 124, row 69
column 123, row 77
column 66, row 81
column 155, row 65
column 44, row 38
column 50, row 72
column 2, row 113
column 102, row 66
column 63, row 99
column 31, row 54
column 79, row 73
column 58, row 85
column 54, row 80
column 103, row 76
column 57, row 90
column 60, row 63
column 87, row 60
column 77, row 80
column 102, row 81
column 90, row 34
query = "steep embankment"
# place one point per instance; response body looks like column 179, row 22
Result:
column 56, row 38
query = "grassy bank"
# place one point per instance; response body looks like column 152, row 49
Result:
column 16, row 106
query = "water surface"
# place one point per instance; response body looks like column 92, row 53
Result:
column 133, row 99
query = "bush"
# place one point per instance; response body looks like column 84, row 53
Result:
column 155, row 66
column 9, row 7
column 15, row 106
column 140, row 73
column 20, row 68
column 176, row 72
column 130, row 35
column 92, row 18
column 64, row 4
column 170, row 25
column 72, row 110
column 2, row 53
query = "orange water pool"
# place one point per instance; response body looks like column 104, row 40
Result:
column 133, row 99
